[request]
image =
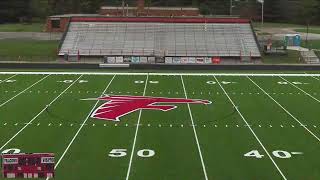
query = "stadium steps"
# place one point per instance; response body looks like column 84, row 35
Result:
column 310, row 57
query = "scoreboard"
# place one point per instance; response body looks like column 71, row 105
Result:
column 35, row 165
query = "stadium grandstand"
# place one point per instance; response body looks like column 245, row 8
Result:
column 158, row 40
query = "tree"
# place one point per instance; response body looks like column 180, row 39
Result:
column 309, row 9
column 15, row 10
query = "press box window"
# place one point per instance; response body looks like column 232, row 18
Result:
column 55, row 23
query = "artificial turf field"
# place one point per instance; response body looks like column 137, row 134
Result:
column 258, row 126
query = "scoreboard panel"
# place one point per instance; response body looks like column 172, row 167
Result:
column 35, row 165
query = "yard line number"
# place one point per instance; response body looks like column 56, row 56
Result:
column 11, row 151
column 8, row 81
column 286, row 83
column 277, row 153
column 144, row 153
column 68, row 81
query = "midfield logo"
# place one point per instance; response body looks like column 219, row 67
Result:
column 118, row 106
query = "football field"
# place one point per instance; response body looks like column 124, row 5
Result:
column 162, row 126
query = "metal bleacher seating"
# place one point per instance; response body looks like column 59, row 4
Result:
column 160, row 39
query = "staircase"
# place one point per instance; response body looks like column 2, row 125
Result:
column 310, row 57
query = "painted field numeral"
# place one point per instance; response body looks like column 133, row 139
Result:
column 277, row 153
column 11, row 151
column 253, row 153
column 145, row 153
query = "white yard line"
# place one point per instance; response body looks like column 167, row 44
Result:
column 254, row 134
column 136, row 133
column 300, row 89
column 313, row 77
column 83, row 123
column 35, row 117
column 24, row 90
column 8, row 78
column 285, row 110
column 195, row 132
column 166, row 74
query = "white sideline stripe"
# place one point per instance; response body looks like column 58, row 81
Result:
column 285, row 110
column 194, row 131
column 313, row 77
column 165, row 74
column 137, row 129
column 35, row 117
column 8, row 78
column 254, row 134
column 300, row 89
column 24, row 90
column 83, row 123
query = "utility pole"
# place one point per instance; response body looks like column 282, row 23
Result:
column 231, row 6
column 262, row 11
column 122, row 7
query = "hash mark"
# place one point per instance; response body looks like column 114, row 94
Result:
column 296, row 153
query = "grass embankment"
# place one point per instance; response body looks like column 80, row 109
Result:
column 292, row 57
column 32, row 27
column 27, row 50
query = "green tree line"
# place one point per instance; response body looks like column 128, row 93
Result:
column 293, row 11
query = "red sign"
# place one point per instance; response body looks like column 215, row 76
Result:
column 216, row 60
column 37, row 165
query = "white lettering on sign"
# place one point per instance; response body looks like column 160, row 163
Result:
column 10, row 160
column 47, row 160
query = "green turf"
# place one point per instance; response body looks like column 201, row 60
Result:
column 222, row 131
column 291, row 58
column 312, row 44
column 27, row 50
column 281, row 25
column 34, row 27
column 315, row 31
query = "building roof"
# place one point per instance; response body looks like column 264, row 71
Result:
column 152, row 8
column 74, row 15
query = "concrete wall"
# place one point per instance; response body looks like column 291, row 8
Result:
column 162, row 67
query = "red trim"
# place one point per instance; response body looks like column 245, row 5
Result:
column 160, row 20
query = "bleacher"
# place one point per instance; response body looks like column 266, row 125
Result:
column 187, row 38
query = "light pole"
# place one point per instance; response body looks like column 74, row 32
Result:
column 262, row 11
column 232, row 6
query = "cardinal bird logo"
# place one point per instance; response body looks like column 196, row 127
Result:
column 119, row 106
